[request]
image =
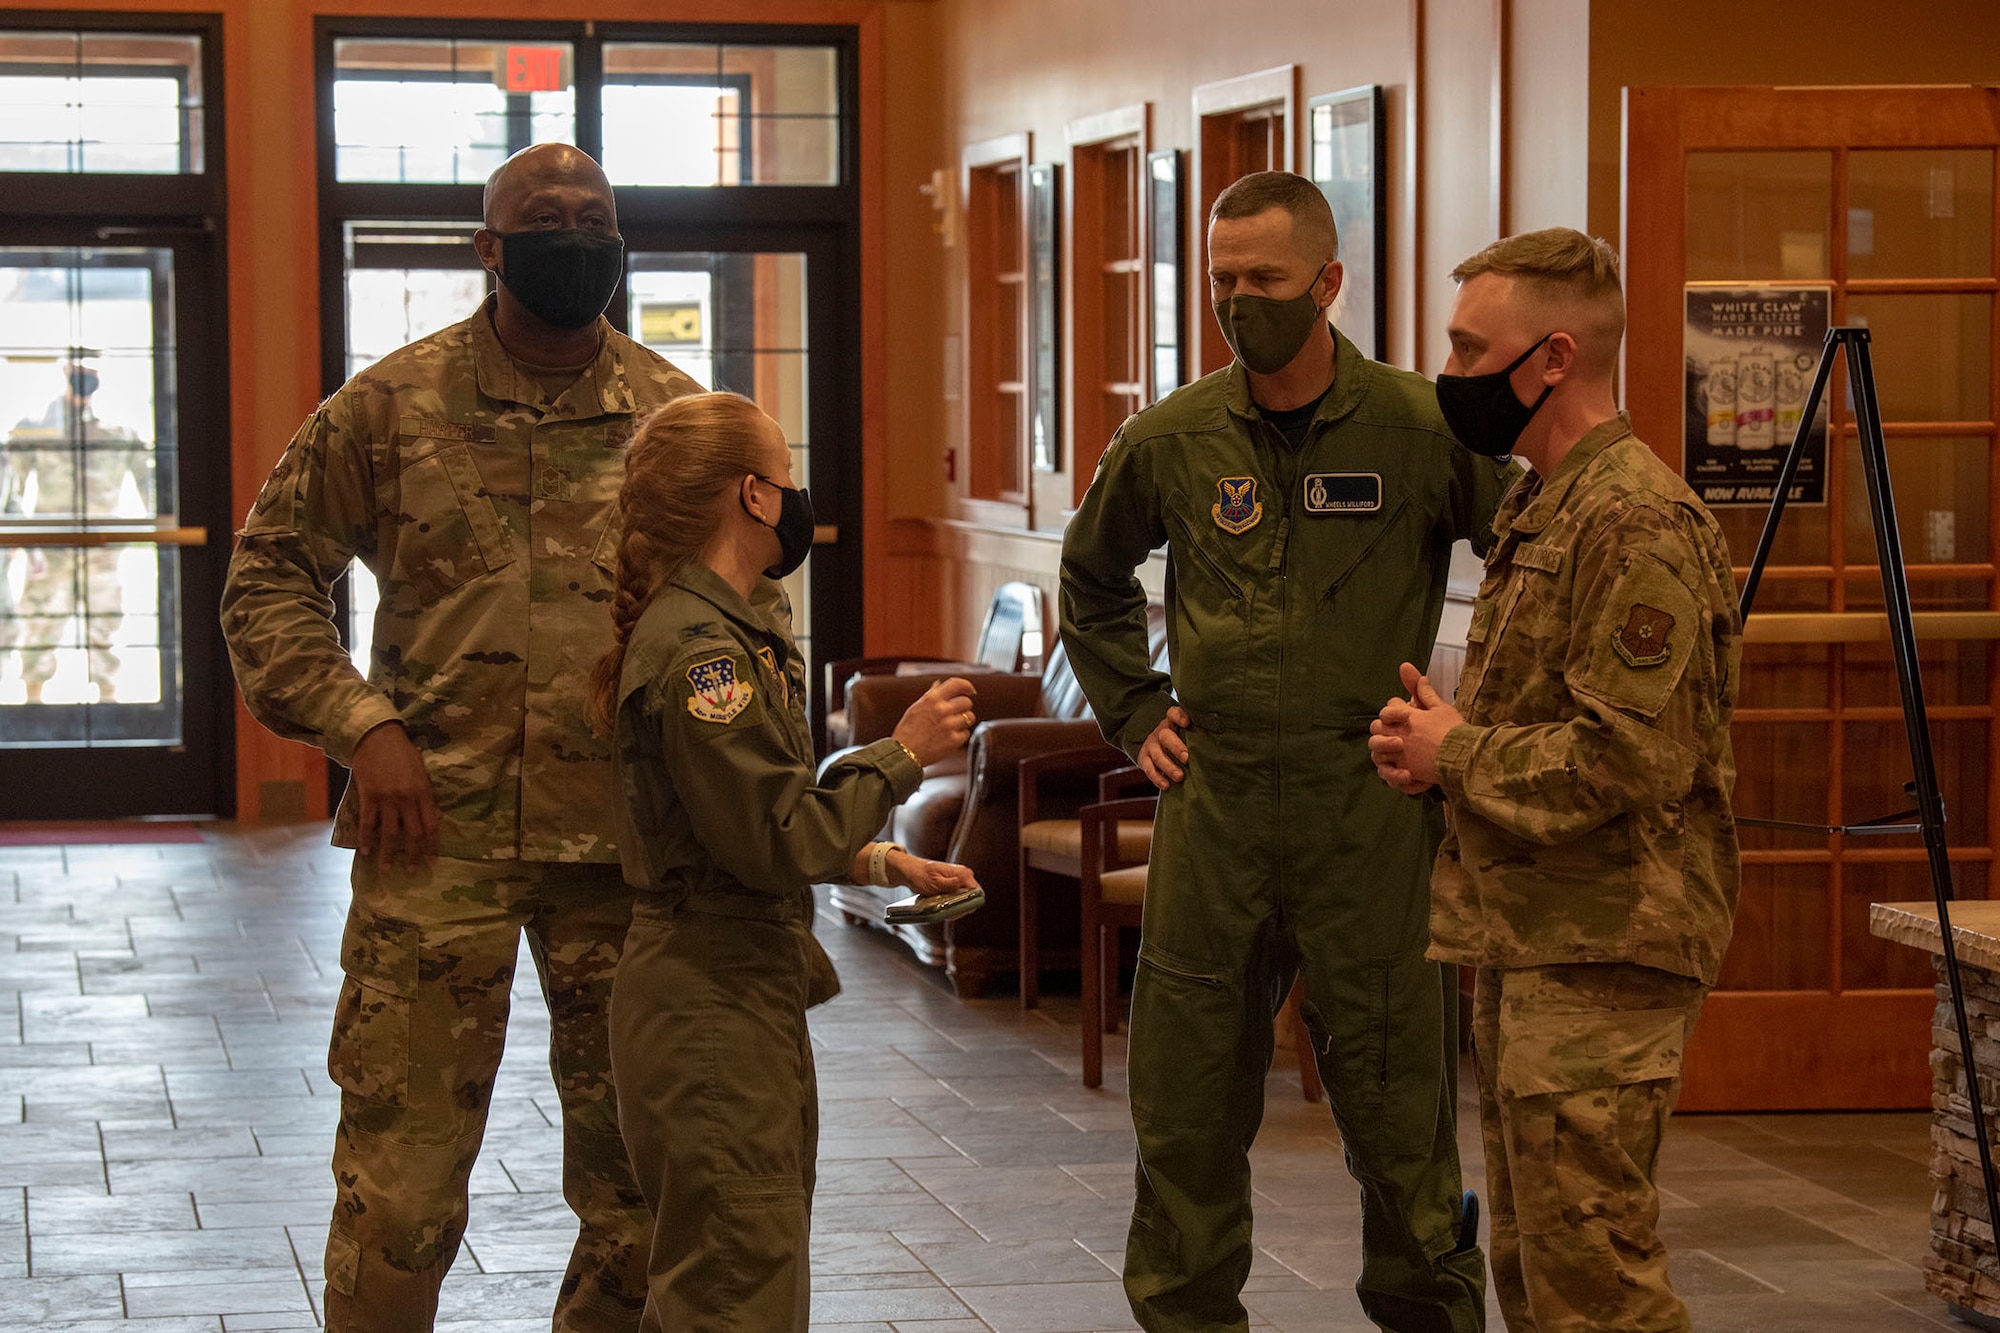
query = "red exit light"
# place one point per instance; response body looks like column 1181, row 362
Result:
column 535, row 69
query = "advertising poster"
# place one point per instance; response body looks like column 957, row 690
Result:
column 1750, row 353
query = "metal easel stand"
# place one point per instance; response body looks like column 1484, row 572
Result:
column 1903, row 638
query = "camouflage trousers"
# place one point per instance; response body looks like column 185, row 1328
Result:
column 720, row 1106
column 429, row 956
column 68, row 583
column 1578, row 1067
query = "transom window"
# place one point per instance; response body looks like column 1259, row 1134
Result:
column 75, row 101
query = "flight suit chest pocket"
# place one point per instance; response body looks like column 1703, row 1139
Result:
column 447, row 528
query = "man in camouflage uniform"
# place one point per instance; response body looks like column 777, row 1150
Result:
column 475, row 472
column 1591, row 869
column 67, row 464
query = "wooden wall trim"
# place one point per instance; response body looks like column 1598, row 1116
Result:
column 1406, row 332
column 1116, row 123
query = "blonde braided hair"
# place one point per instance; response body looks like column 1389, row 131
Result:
column 683, row 460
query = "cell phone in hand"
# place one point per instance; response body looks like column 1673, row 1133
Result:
column 925, row 909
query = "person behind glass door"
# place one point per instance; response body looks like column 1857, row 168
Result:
column 69, row 464
column 724, row 828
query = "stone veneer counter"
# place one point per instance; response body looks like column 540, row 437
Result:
column 1961, row 1266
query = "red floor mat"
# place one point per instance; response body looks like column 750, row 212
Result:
column 79, row 832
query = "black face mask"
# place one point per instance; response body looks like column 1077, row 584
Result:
column 565, row 277
column 1482, row 410
column 1266, row 333
column 794, row 526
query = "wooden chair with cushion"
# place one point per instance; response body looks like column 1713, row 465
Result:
column 1052, row 848
column 1113, row 894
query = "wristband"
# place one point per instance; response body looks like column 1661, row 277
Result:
column 878, row 863
column 913, row 756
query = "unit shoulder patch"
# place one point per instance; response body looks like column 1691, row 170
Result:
column 719, row 692
column 1642, row 639
column 1238, row 510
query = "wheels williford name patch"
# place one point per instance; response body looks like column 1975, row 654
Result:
column 719, row 693
column 1343, row 492
column 1642, row 642
column 1238, row 510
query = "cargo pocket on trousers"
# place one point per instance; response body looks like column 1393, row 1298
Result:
column 1188, row 1014
column 1587, row 1099
column 343, row 1261
column 369, row 1056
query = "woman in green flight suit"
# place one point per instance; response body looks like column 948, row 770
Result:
column 723, row 829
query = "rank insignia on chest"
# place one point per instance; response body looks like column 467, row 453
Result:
column 719, row 694
column 1239, row 509
column 1643, row 640
column 770, row 661
column 1343, row 492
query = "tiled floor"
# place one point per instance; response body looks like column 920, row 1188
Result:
column 165, row 1120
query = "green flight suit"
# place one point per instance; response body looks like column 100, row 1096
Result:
column 723, row 827
column 1297, row 581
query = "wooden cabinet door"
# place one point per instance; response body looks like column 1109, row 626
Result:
column 1887, row 195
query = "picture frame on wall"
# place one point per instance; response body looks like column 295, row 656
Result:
column 1346, row 134
column 1166, row 207
column 1045, row 316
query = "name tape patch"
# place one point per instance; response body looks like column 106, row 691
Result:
column 1343, row 492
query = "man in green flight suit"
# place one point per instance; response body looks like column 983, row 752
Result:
column 1308, row 499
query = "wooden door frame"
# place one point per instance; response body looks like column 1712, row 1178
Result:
column 1745, row 1054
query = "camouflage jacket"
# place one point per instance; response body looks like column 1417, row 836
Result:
column 1589, row 788
column 489, row 523
column 719, row 806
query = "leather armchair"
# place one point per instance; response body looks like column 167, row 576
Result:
column 968, row 808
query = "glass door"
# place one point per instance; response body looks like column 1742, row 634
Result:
column 100, row 558
column 115, row 696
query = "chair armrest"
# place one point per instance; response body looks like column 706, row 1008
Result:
column 1100, row 829
column 999, row 746
column 875, row 704
column 1034, row 770
column 1119, row 783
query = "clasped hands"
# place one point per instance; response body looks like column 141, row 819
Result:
column 1403, row 741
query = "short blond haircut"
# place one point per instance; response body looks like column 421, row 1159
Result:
column 1571, row 277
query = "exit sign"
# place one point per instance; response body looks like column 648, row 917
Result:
column 534, row 69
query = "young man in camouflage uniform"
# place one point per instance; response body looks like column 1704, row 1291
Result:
column 1591, row 869
column 475, row 472
column 1308, row 499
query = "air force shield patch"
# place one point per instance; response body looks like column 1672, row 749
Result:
column 719, row 694
column 1239, row 509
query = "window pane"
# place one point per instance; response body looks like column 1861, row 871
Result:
column 445, row 111
column 1933, row 354
column 100, row 102
column 736, row 322
column 1759, row 216
column 1920, row 213
column 677, row 114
